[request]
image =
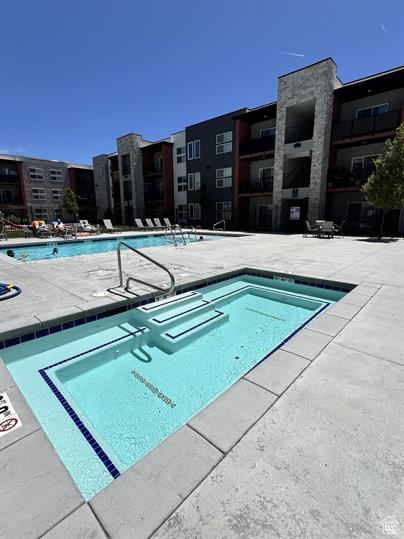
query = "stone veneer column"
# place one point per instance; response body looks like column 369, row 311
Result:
column 130, row 144
column 313, row 83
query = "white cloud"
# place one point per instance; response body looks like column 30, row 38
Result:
column 383, row 28
column 11, row 150
column 299, row 54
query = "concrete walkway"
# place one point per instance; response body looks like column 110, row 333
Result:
column 308, row 444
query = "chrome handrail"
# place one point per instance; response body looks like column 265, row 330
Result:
column 167, row 291
column 192, row 231
column 218, row 223
column 169, row 229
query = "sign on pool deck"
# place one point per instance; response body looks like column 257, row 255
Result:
column 9, row 420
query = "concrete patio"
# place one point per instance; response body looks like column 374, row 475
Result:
column 307, row 444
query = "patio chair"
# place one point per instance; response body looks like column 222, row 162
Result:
column 157, row 222
column 310, row 229
column 109, row 226
column 139, row 224
column 338, row 229
column 327, row 229
column 167, row 222
column 149, row 223
column 86, row 227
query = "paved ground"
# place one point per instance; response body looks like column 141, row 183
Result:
column 308, row 444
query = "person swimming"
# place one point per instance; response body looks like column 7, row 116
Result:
column 11, row 254
column 55, row 251
column 201, row 238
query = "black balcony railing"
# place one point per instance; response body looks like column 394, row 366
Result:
column 153, row 170
column 343, row 178
column 257, row 145
column 388, row 121
column 256, row 185
column 9, row 178
column 297, row 133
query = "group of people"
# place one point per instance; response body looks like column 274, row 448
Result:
column 21, row 256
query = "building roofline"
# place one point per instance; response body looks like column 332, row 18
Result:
column 310, row 65
column 370, row 77
column 231, row 114
column 22, row 158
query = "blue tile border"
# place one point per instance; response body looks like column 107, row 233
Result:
column 109, row 465
column 187, row 288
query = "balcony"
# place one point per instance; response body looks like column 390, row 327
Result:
column 10, row 201
column 388, row 121
column 115, row 175
column 152, row 171
column 343, row 179
column 9, row 179
column 256, row 185
column 257, row 145
column 153, row 193
column 297, row 133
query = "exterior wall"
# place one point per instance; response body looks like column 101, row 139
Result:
column 316, row 82
column 340, row 203
column 207, row 164
column 253, row 203
column 256, row 128
column 395, row 99
column 103, row 186
column 52, row 206
column 345, row 155
column 82, row 183
column 179, row 170
column 133, row 208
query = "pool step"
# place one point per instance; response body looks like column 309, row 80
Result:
column 174, row 338
column 152, row 309
column 174, row 317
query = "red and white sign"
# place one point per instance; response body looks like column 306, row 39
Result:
column 9, row 420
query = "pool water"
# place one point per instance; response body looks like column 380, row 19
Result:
column 95, row 246
column 108, row 392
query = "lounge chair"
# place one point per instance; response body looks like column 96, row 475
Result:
column 157, row 222
column 167, row 222
column 327, row 229
column 310, row 229
column 139, row 223
column 109, row 226
column 86, row 227
column 149, row 223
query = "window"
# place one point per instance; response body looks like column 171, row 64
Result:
column 372, row 111
column 223, row 177
column 8, row 170
column 182, row 212
column 56, row 194
column 38, row 194
column 223, row 211
column 36, row 173
column 41, row 214
column 194, row 211
column 125, row 164
column 266, row 178
column 194, row 181
column 190, row 150
column 100, row 172
column 181, row 154
column 181, row 183
column 6, row 196
column 363, row 166
column 194, row 149
column 223, row 142
column 127, row 190
column 56, row 175
column 270, row 132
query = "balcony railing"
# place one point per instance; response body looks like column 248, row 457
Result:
column 257, row 145
column 152, row 170
column 296, row 133
column 342, row 178
column 14, row 201
column 9, row 178
column 256, row 185
column 388, row 121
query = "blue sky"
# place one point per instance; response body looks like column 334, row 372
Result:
column 76, row 74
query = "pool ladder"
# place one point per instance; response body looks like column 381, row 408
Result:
column 216, row 226
column 166, row 292
column 171, row 231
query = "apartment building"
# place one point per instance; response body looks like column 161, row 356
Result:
column 307, row 155
column 136, row 181
column 31, row 188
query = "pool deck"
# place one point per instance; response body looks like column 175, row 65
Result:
column 308, row 444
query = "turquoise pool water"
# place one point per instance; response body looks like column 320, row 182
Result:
column 108, row 392
column 94, row 246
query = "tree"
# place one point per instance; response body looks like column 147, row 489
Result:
column 69, row 202
column 385, row 186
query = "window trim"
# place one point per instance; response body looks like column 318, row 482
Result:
column 35, row 173
column 60, row 196
column 265, row 168
column 190, row 181
column 43, row 211
column 223, row 210
column 224, row 137
column 363, row 157
column 184, row 183
column 58, row 178
column 190, row 154
column 226, row 180
column 224, row 144
column 199, row 149
column 371, row 107
column 36, row 196
column 268, row 129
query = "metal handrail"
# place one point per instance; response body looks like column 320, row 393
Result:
column 170, row 230
column 182, row 234
column 192, row 231
column 218, row 223
column 167, row 291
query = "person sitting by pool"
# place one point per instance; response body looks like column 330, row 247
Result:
column 55, row 251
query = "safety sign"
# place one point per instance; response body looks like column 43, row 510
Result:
column 9, row 420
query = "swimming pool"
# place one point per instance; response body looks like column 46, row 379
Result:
column 94, row 246
column 107, row 392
